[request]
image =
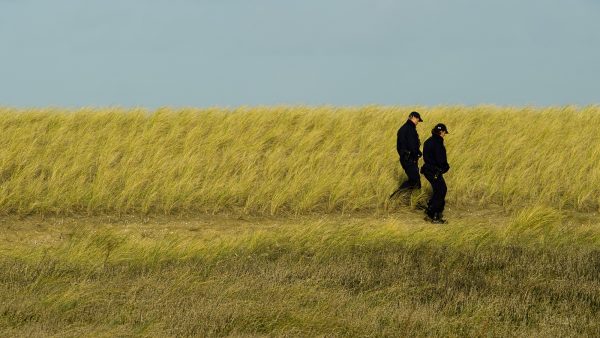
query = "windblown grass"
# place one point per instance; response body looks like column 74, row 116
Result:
column 282, row 160
column 534, row 274
column 532, row 271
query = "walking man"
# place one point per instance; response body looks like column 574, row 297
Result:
column 407, row 145
column 436, row 165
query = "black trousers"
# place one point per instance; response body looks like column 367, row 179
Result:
column 438, row 198
column 412, row 171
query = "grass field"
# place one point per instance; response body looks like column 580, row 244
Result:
column 280, row 161
column 533, row 274
column 276, row 221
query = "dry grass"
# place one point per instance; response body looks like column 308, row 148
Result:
column 536, row 273
column 276, row 221
column 287, row 160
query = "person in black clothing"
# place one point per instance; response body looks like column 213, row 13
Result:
column 436, row 164
column 407, row 145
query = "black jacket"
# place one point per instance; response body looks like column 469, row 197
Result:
column 408, row 140
column 434, row 156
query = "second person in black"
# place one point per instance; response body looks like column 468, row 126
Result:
column 436, row 165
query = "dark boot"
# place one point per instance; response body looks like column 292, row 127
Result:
column 437, row 219
column 429, row 215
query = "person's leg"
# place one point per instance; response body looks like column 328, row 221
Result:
column 412, row 171
column 436, row 203
column 413, row 175
column 431, row 203
column 443, row 189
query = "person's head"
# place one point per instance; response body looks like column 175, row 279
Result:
column 440, row 129
column 415, row 117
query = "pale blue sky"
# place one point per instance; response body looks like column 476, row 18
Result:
column 202, row 53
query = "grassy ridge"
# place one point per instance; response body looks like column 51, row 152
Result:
column 537, row 274
column 281, row 160
column 532, row 271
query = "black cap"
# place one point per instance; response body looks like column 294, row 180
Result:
column 441, row 127
column 415, row 114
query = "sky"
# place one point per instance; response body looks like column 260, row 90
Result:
column 206, row 53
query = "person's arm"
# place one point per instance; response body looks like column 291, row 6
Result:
column 414, row 145
column 442, row 160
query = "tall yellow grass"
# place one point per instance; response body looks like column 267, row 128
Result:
column 278, row 160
